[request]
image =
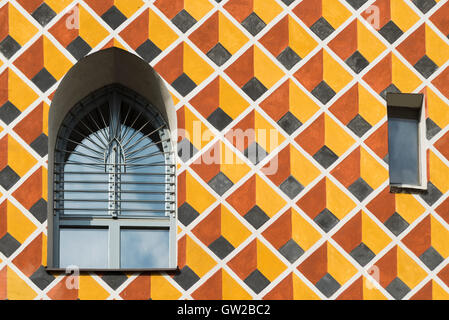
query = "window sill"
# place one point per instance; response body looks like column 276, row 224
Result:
column 409, row 189
column 84, row 270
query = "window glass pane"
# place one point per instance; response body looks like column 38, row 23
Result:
column 403, row 150
column 85, row 248
column 144, row 248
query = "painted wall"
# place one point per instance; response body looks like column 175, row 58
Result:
column 311, row 217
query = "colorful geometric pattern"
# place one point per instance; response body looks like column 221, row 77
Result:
column 323, row 17
column 306, row 213
column 289, row 106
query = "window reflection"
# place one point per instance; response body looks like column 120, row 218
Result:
column 85, row 248
column 144, row 248
column 403, row 150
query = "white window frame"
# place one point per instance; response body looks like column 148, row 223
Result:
column 414, row 101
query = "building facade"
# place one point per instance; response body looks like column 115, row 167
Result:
column 302, row 208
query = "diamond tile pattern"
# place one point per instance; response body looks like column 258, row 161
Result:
column 316, row 76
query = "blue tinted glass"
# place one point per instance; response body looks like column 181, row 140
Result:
column 144, row 248
column 85, row 248
column 403, row 151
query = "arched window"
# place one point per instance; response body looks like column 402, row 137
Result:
column 113, row 189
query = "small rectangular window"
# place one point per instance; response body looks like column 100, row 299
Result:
column 406, row 155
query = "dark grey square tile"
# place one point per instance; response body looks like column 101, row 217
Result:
column 79, row 48
column 183, row 20
column 357, row 62
column 390, row 89
column 362, row 254
column 43, row 80
column 391, row 32
column 43, row 14
column 9, row 112
column 432, row 194
column 221, row 247
column 431, row 258
column 253, row 24
column 432, row 129
column 220, row 183
column 291, row 251
column 257, row 281
column 8, row 245
column 113, row 17
column 186, row 214
column 8, row 178
column 115, row 279
column 184, row 85
column 328, row 285
column 325, row 156
column 360, row 189
column 326, row 220
column 186, row 278
column 42, row 278
column 396, row 224
column 398, row 289
column 287, row 2
column 219, row 119
column 359, row 126
column 288, row 58
column 254, row 89
column 356, row 4
column 40, row 145
column 255, row 153
column 426, row 66
column 291, row 187
column 39, row 210
column 323, row 92
column 256, row 217
column 289, row 123
column 186, row 150
column 322, row 28
column 148, row 51
column 9, row 46
column 219, row 55
column 424, row 5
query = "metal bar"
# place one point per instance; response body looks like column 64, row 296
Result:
column 82, row 145
column 80, row 154
column 124, row 124
column 130, row 270
column 147, row 146
column 120, row 164
column 123, row 210
column 98, row 127
column 147, row 156
column 94, row 133
column 102, row 118
column 145, row 136
column 86, row 137
column 97, row 182
column 132, row 125
column 106, row 191
column 135, row 133
column 122, row 173
column 100, row 200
